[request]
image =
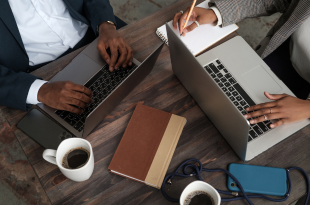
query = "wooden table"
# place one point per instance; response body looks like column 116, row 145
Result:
column 161, row 90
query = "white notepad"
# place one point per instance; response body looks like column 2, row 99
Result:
column 200, row 38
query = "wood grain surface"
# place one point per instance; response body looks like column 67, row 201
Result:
column 160, row 90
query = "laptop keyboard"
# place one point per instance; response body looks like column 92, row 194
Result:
column 237, row 95
column 101, row 84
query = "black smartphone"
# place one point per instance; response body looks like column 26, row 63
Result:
column 43, row 129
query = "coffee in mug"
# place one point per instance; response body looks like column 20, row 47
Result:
column 75, row 158
column 200, row 192
column 199, row 198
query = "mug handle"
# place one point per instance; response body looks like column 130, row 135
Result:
column 50, row 156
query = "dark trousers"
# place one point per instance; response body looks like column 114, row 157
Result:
column 87, row 39
column 280, row 63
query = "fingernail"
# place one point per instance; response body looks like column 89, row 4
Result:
column 111, row 68
column 246, row 116
column 116, row 67
column 130, row 63
column 108, row 61
column 124, row 66
column 271, row 125
column 247, row 109
column 252, row 121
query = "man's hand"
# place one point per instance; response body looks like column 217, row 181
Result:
column 201, row 15
column 110, row 38
column 286, row 108
column 62, row 95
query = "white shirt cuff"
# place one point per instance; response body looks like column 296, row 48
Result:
column 32, row 97
column 218, row 15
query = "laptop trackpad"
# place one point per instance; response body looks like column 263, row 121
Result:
column 258, row 80
column 79, row 70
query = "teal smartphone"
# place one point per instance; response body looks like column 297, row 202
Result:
column 258, row 179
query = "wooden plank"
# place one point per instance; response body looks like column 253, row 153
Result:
column 18, row 182
column 161, row 90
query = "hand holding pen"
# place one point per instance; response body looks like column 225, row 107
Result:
column 201, row 15
column 188, row 16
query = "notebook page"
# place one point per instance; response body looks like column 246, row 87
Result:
column 202, row 37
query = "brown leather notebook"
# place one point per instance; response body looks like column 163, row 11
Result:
column 147, row 146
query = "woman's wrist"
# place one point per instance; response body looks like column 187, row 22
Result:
column 217, row 18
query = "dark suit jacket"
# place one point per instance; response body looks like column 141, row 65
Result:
column 14, row 62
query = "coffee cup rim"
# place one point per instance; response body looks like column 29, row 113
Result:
column 78, row 169
column 184, row 194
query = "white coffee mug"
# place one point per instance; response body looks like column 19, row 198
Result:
column 200, row 186
column 55, row 157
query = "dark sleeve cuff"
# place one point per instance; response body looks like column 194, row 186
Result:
column 98, row 12
column 14, row 88
column 21, row 91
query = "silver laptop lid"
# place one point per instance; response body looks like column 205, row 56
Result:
column 212, row 100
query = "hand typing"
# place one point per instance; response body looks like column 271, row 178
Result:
column 286, row 108
column 110, row 38
column 65, row 95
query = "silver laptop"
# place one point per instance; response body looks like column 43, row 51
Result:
column 109, row 88
column 226, row 80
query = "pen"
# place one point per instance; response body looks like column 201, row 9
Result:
column 189, row 14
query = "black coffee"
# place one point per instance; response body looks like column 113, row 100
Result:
column 198, row 198
column 75, row 158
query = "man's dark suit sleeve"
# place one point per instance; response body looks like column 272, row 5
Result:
column 14, row 88
column 98, row 11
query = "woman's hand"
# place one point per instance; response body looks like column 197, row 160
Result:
column 201, row 15
column 286, row 108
